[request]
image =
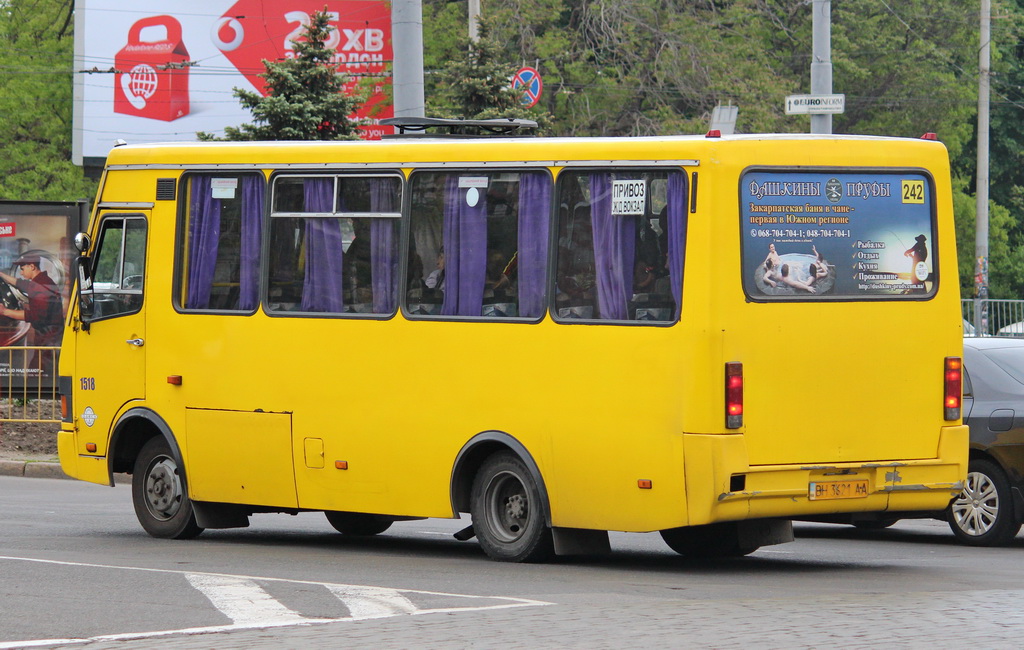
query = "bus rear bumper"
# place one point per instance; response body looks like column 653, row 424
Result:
column 798, row 491
column 898, row 486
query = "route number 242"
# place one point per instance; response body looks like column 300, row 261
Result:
column 913, row 191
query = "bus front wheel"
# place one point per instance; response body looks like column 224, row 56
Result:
column 158, row 493
column 508, row 515
column 358, row 523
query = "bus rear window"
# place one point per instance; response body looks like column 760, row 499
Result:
column 820, row 235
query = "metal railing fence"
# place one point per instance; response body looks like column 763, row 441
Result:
column 993, row 317
column 28, row 384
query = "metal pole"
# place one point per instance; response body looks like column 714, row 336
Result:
column 981, row 189
column 407, row 45
column 821, row 60
column 474, row 20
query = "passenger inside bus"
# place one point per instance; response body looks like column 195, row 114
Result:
column 499, row 293
column 436, row 278
column 577, row 274
column 357, row 272
column 652, row 298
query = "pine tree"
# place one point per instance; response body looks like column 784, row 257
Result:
column 305, row 98
column 478, row 86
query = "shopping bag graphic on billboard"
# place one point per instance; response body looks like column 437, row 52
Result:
column 148, row 82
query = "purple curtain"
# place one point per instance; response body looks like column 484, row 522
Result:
column 383, row 252
column 204, row 235
column 614, row 250
column 322, row 283
column 249, row 273
column 534, row 211
column 676, row 235
column 465, row 245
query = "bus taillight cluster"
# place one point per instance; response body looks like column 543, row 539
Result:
column 733, row 395
column 953, row 388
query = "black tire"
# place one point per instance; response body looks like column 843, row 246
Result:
column 983, row 514
column 508, row 511
column 160, row 495
column 874, row 524
column 358, row 523
column 709, row 541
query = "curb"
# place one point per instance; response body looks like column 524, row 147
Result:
column 31, row 469
column 36, row 469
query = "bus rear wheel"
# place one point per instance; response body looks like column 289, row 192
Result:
column 158, row 493
column 508, row 513
column 358, row 523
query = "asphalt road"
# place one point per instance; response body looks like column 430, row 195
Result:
column 76, row 570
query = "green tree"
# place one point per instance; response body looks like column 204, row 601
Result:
column 1006, row 258
column 661, row 66
column 476, row 83
column 36, row 79
column 1006, row 162
column 305, row 95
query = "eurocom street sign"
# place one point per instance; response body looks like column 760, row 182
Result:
column 815, row 104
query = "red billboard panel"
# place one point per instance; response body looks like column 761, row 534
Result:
column 154, row 71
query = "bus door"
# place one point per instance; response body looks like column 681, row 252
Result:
column 110, row 361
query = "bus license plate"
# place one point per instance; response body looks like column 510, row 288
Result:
column 821, row 490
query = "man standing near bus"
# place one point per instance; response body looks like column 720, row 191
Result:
column 43, row 311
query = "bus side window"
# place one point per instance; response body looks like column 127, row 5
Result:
column 621, row 246
column 479, row 244
column 117, row 278
column 334, row 244
column 220, row 263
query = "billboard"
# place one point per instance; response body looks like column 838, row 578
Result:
column 154, row 71
column 36, row 259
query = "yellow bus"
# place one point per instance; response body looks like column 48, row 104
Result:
column 699, row 335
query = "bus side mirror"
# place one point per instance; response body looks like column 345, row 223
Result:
column 82, row 243
column 84, row 262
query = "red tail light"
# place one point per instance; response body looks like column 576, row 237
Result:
column 733, row 395
column 952, row 388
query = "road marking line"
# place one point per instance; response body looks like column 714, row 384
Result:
column 232, row 590
column 372, row 602
column 242, row 600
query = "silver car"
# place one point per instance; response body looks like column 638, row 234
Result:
column 990, row 509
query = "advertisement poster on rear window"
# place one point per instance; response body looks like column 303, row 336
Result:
column 837, row 235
